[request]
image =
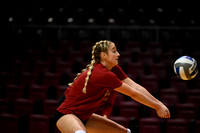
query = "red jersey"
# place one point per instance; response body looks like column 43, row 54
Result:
column 101, row 83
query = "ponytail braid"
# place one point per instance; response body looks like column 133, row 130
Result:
column 99, row 47
column 91, row 66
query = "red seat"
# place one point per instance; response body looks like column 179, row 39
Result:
column 37, row 92
column 23, row 106
column 13, row 92
column 186, row 110
column 175, row 47
column 8, row 123
column 150, row 82
column 41, row 66
column 18, row 66
column 51, row 79
column 27, row 78
column 176, row 82
column 155, row 47
column 159, row 69
column 145, row 57
column 63, row 67
column 168, row 58
column 149, row 125
column 169, row 96
column 129, row 109
column 193, row 96
column 4, row 78
column 76, row 55
column 65, row 45
column 50, row 107
column 178, row 125
column 38, row 124
column 136, row 68
column 133, row 46
column 124, row 121
column 86, row 45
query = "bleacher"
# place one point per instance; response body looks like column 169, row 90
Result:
column 42, row 49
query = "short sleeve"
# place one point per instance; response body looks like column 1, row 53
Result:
column 109, row 80
column 117, row 70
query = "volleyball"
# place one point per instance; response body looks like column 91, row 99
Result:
column 185, row 67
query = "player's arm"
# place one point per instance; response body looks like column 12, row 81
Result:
column 141, row 97
column 140, row 88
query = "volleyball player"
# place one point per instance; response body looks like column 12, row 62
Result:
column 92, row 88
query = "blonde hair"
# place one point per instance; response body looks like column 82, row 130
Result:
column 101, row 46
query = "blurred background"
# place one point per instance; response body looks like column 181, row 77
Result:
column 42, row 49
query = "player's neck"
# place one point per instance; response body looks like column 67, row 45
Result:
column 107, row 65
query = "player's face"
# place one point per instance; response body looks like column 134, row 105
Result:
column 112, row 56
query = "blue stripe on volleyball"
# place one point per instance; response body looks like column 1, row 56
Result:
column 190, row 58
column 187, row 57
column 177, row 71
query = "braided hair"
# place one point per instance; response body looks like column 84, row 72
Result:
column 101, row 46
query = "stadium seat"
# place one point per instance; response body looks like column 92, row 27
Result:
column 186, row 110
column 121, row 120
column 169, row 96
column 159, row 69
column 136, row 68
column 150, row 82
column 41, row 66
column 18, row 66
column 177, row 125
column 8, row 123
column 133, row 46
column 5, row 78
column 50, row 107
column 63, row 67
column 129, row 109
column 145, row 57
column 27, row 78
column 176, row 47
column 155, row 47
column 65, row 45
column 168, row 58
column 51, row 79
column 86, row 45
column 23, row 106
column 125, row 56
column 38, row 123
column 176, row 82
column 193, row 96
column 151, row 125
column 37, row 92
column 13, row 92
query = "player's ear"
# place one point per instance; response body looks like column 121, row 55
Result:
column 103, row 55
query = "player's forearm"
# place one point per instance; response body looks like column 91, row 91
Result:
column 139, row 88
column 138, row 96
column 144, row 99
